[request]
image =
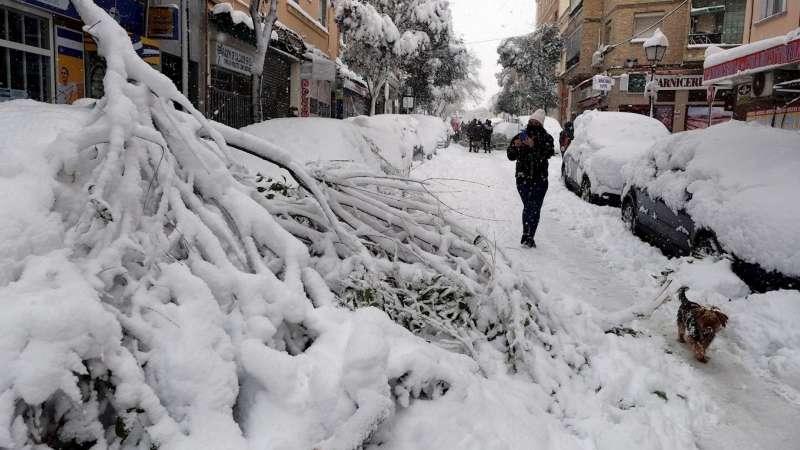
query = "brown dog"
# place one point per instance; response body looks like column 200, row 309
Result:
column 701, row 323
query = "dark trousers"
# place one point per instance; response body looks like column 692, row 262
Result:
column 487, row 144
column 532, row 194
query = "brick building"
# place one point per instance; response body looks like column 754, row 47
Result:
column 619, row 28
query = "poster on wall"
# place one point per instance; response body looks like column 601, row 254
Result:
column 786, row 118
column 665, row 114
column 697, row 116
column 69, row 66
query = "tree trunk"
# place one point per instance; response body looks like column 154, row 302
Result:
column 262, row 45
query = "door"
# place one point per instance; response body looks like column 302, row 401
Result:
column 675, row 227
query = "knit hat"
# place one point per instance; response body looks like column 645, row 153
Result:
column 539, row 116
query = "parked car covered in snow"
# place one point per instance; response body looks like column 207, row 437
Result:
column 432, row 132
column 729, row 189
column 605, row 142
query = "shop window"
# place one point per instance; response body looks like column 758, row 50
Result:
column 645, row 24
column 25, row 56
column 698, row 95
column 666, row 96
column 771, row 7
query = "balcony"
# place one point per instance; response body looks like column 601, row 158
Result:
column 705, row 38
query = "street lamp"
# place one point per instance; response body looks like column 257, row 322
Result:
column 655, row 47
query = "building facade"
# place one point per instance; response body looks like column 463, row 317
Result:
column 606, row 37
column 764, row 74
column 46, row 56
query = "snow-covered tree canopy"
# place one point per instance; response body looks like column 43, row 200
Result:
column 385, row 35
column 528, row 64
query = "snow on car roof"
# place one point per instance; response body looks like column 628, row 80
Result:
column 605, row 129
column 743, row 182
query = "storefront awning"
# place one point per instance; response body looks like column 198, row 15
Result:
column 749, row 59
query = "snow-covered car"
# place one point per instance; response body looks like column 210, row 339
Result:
column 604, row 142
column 729, row 189
column 432, row 132
column 313, row 139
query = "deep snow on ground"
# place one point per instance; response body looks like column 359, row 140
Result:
column 585, row 253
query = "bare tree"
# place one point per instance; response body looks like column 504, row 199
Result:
column 267, row 21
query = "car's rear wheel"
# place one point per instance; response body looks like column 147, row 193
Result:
column 586, row 190
column 629, row 214
column 706, row 245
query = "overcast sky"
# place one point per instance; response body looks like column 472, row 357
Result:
column 477, row 21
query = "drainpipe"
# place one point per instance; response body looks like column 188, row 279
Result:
column 185, row 47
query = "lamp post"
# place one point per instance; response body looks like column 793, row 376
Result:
column 655, row 47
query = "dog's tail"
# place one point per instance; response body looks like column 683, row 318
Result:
column 682, row 294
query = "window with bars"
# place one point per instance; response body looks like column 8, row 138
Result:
column 771, row 7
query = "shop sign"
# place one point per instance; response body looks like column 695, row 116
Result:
column 232, row 59
column 163, row 22
column 304, row 102
column 774, row 56
column 129, row 13
column 602, row 83
column 679, row 82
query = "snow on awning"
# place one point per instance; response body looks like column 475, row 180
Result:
column 749, row 59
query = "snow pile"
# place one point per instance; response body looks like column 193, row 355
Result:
column 741, row 181
column 606, row 141
column 765, row 328
column 658, row 39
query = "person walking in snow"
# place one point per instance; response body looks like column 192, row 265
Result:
column 566, row 137
column 473, row 134
column 488, row 129
column 531, row 149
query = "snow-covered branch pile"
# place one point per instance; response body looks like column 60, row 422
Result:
column 173, row 300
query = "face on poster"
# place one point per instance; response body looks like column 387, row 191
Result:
column 69, row 66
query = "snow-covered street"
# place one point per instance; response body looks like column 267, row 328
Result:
column 585, row 253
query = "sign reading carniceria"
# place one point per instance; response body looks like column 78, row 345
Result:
column 232, row 59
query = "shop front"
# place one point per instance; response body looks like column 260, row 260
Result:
column 231, row 53
column 681, row 102
column 764, row 78
column 46, row 56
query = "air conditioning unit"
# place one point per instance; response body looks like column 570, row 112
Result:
column 762, row 84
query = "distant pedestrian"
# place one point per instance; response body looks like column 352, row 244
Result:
column 566, row 137
column 531, row 149
column 474, row 134
column 488, row 129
